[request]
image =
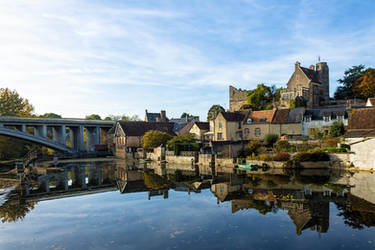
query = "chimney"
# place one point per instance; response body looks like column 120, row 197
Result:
column 297, row 64
column 163, row 116
column 312, row 67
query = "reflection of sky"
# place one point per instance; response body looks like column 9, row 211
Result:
column 112, row 220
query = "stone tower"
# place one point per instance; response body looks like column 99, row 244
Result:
column 323, row 76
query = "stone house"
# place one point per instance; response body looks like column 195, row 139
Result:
column 257, row 124
column 129, row 134
column 322, row 119
column 361, row 137
column 310, row 84
column 198, row 129
column 228, row 126
column 287, row 122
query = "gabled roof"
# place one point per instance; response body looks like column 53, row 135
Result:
column 311, row 74
column 234, row 116
column 261, row 116
column 132, row 128
column 281, row 116
column 185, row 130
column 153, row 117
column 203, row 125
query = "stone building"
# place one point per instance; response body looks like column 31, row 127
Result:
column 309, row 84
column 237, row 98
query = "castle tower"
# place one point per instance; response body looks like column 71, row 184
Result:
column 323, row 76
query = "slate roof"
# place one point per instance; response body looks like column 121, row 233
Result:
column 311, row 74
column 318, row 114
column 186, row 129
column 132, row 128
column 296, row 115
column 203, row 125
column 153, row 117
column 234, row 116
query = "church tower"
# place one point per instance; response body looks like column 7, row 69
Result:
column 323, row 76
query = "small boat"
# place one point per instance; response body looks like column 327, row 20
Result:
column 248, row 166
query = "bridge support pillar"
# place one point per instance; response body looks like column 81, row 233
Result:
column 62, row 180
column 92, row 138
column 41, row 131
column 21, row 128
column 95, row 176
column 1, row 125
column 76, row 138
column 78, row 177
column 59, row 134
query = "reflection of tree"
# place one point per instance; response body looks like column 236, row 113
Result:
column 15, row 209
column 356, row 219
column 261, row 206
column 155, row 181
column 178, row 177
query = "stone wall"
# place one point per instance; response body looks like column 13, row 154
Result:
column 272, row 164
column 363, row 152
column 237, row 98
column 180, row 159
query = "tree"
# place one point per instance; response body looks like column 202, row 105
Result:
column 93, row 117
column 183, row 143
column 299, row 102
column 270, row 139
column 345, row 91
column 155, row 138
column 12, row 104
column 253, row 146
column 214, row 111
column 185, row 115
column 365, row 85
column 122, row 118
column 337, row 129
column 50, row 115
column 262, row 97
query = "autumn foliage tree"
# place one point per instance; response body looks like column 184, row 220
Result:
column 155, row 138
column 365, row 84
column 12, row 104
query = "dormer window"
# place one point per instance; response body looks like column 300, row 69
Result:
column 340, row 117
column 263, row 119
column 308, row 119
column 327, row 118
column 249, row 121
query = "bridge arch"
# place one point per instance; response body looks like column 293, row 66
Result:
column 35, row 139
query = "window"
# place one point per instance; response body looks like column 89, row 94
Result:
column 239, row 125
column 239, row 135
column 219, row 136
column 308, row 118
column 257, row 132
column 340, row 117
column 326, row 118
column 246, row 131
column 220, row 125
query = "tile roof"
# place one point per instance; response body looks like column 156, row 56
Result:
column 362, row 118
column 311, row 74
column 281, row 116
column 261, row 116
column 132, row 128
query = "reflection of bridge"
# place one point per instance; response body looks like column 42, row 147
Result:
column 53, row 133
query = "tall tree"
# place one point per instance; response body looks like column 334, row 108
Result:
column 93, row 117
column 260, row 98
column 214, row 111
column 12, row 104
column 345, row 91
column 365, row 85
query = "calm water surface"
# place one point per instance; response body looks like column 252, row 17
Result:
column 111, row 205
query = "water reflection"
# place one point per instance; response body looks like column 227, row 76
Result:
column 305, row 195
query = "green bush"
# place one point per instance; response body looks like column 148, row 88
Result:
column 253, row 146
column 337, row 129
column 311, row 156
column 270, row 139
column 264, row 157
column 183, row 143
column 282, row 146
column 345, row 146
column 281, row 156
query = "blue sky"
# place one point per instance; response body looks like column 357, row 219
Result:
column 78, row 57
